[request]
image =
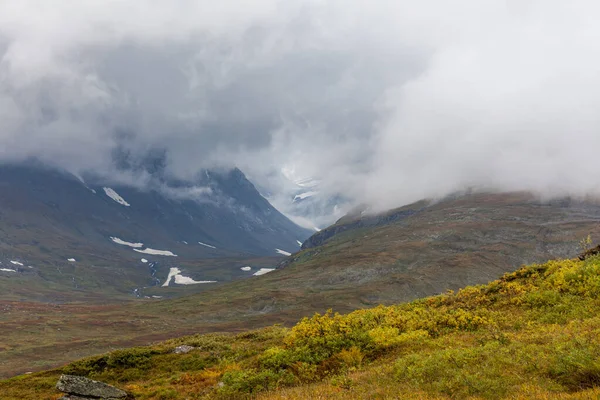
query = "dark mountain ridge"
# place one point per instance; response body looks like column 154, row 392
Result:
column 48, row 217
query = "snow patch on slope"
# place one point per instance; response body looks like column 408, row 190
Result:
column 16, row 263
column 207, row 245
column 71, row 260
column 246, row 268
column 125, row 243
column 184, row 280
column 8, row 270
column 156, row 252
column 285, row 253
column 263, row 271
column 115, row 196
column 175, row 273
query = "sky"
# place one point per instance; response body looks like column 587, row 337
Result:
column 384, row 101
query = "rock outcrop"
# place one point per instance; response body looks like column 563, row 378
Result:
column 81, row 388
column 589, row 253
column 183, row 349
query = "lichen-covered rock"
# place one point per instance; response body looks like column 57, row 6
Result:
column 80, row 387
column 76, row 397
column 183, row 349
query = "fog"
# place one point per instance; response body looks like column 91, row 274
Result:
column 384, row 101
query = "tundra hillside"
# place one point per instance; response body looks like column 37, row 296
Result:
column 415, row 251
column 532, row 334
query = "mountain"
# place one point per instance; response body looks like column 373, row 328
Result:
column 362, row 261
column 531, row 334
column 431, row 246
column 65, row 234
column 305, row 201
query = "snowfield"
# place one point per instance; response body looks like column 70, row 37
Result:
column 285, row 253
column 155, row 252
column 16, row 263
column 8, row 270
column 115, row 196
column 180, row 279
column 263, row 271
column 137, row 246
column 184, row 280
column 125, row 243
column 172, row 273
column 207, row 245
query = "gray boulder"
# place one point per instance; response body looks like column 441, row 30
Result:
column 183, row 349
column 75, row 397
column 79, row 387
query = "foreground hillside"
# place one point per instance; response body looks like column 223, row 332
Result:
column 534, row 333
column 416, row 251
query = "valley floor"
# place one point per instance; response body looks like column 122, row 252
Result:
column 533, row 334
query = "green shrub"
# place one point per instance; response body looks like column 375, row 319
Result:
column 194, row 362
column 576, row 366
column 253, row 381
column 277, row 358
column 131, row 358
column 542, row 298
column 87, row 366
column 458, row 373
column 137, row 358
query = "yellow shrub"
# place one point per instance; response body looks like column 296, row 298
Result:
column 352, row 357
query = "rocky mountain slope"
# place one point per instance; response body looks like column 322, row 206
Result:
column 429, row 247
column 63, row 234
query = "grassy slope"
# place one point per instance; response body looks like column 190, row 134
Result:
column 534, row 333
column 451, row 244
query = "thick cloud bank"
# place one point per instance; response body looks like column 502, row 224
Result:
column 385, row 101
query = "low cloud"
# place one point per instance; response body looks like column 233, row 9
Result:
column 385, row 102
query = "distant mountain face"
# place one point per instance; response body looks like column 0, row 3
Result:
column 429, row 247
column 58, row 229
column 304, row 201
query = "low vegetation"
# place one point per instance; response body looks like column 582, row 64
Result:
column 457, row 242
column 534, row 333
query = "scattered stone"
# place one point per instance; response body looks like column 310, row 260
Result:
column 183, row 349
column 590, row 253
column 79, row 387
